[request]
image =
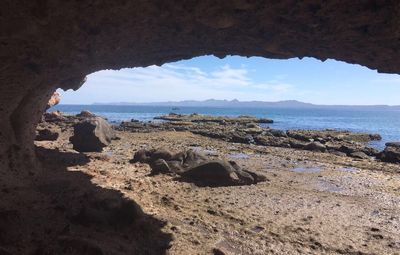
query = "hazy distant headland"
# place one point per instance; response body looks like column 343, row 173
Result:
column 251, row 104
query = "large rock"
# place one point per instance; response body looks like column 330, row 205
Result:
column 85, row 114
column 393, row 144
column 359, row 155
column 391, row 153
column 315, row 146
column 92, row 135
column 197, row 168
column 216, row 173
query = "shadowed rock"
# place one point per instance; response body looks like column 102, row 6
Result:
column 91, row 135
column 197, row 168
column 46, row 135
column 391, row 153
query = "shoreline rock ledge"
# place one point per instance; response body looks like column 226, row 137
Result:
column 199, row 118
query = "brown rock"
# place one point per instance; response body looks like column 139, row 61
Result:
column 46, row 135
column 54, row 116
column 85, row 114
column 54, row 100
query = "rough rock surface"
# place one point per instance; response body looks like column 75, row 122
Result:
column 239, row 130
column 54, row 100
column 391, row 153
column 92, row 135
column 85, row 114
column 197, row 168
column 54, row 44
column 313, row 202
column 196, row 118
column 46, row 134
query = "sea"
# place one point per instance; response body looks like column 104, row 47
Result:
column 385, row 122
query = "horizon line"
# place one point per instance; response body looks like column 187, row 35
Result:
column 229, row 101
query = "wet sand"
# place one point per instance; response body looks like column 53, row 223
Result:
column 312, row 203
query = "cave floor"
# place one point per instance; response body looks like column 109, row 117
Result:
column 312, row 203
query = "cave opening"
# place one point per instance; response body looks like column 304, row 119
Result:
column 309, row 200
column 326, row 162
column 297, row 93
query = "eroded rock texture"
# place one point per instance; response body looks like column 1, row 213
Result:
column 50, row 44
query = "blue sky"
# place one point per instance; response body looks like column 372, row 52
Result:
column 255, row 78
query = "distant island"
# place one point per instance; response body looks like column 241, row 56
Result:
column 250, row 104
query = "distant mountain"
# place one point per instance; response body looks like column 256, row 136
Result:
column 250, row 104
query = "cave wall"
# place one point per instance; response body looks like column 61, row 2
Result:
column 49, row 44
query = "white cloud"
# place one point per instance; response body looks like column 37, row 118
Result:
column 175, row 82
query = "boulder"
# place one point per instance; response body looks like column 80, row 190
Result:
column 242, row 138
column 216, row 173
column 264, row 121
column 251, row 125
column 391, row 153
column 277, row 133
column 85, row 114
column 297, row 144
column 359, row 155
column 91, row 135
column 338, row 153
column 393, row 144
column 142, row 156
column 267, row 140
column 196, row 168
column 315, row 146
column 46, row 135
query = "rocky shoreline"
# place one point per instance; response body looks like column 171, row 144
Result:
column 258, row 199
column 248, row 131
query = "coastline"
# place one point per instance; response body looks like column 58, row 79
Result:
column 312, row 202
column 385, row 123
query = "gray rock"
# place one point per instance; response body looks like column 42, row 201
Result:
column 390, row 154
column 393, row 144
column 198, row 169
column 338, row 153
column 315, row 146
column 85, row 114
column 92, row 135
column 359, row 155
